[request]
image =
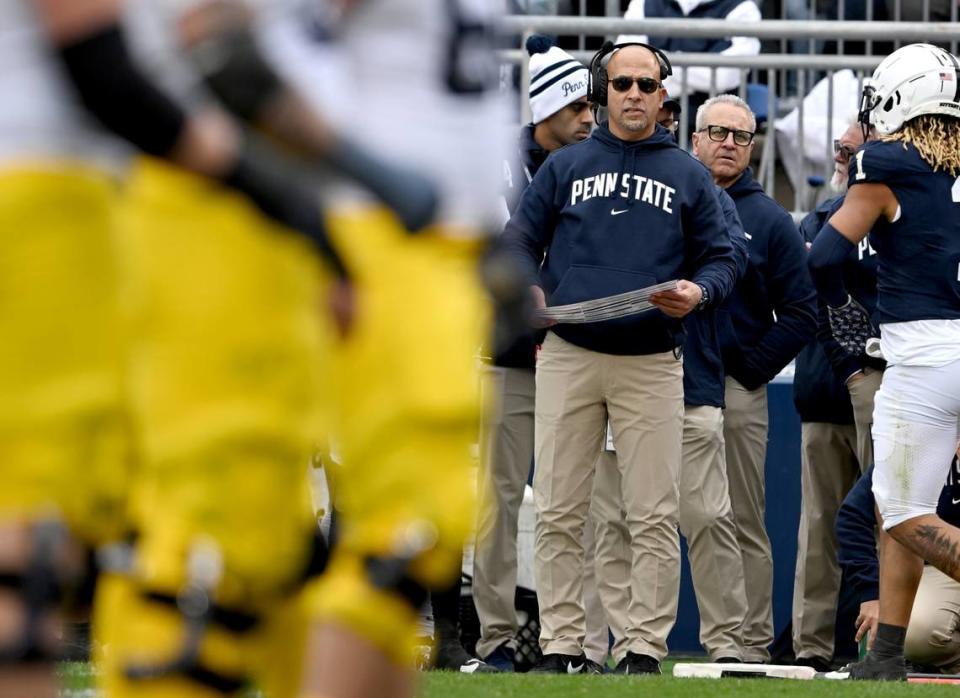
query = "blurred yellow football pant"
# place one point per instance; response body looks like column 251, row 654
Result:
column 408, row 406
column 63, row 442
column 225, row 377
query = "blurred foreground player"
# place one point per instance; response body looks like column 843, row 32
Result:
column 905, row 188
column 408, row 382
column 63, row 340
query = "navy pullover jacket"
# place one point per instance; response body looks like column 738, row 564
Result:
column 856, row 524
column 615, row 216
column 772, row 312
column 702, row 364
column 519, row 170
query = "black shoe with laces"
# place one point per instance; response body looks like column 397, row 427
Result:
column 562, row 664
column 728, row 660
column 818, row 663
column 872, row 669
column 635, row 663
column 591, row 667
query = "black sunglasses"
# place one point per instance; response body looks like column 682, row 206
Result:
column 719, row 134
column 848, row 150
column 646, row 85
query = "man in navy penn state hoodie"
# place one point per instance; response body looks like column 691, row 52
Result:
column 764, row 323
column 705, row 516
column 619, row 211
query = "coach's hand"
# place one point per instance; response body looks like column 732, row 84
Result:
column 678, row 303
column 539, row 303
column 867, row 621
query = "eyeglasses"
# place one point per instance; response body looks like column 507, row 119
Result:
column 848, row 150
column 719, row 134
column 646, row 85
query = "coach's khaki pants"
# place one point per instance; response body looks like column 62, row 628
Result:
column 577, row 390
column 506, row 455
column 706, row 519
column 933, row 635
column 745, row 423
column 829, row 468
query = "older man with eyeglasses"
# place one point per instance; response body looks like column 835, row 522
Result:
column 762, row 325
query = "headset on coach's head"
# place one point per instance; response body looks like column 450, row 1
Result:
column 597, row 86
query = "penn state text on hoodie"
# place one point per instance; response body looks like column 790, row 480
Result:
column 615, row 216
column 772, row 312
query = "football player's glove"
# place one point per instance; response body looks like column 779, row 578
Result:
column 851, row 326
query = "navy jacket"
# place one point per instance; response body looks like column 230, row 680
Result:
column 614, row 216
column 670, row 9
column 856, row 524
column 518, row 171
column 772, row 312
column 702, row 364
column 819, row 394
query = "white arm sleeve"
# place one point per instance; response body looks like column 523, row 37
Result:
column 698, row 78
column 634, row 11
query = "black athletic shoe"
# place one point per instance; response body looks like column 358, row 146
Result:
column 635, row 663
column 818, row 663
column 728, row 660
column 562, row 664
column 593, row 668
column 872, row 669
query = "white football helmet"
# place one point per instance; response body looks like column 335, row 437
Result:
column 914, row 80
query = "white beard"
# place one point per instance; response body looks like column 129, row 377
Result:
column 838, row 183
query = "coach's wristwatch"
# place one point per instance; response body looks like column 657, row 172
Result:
column 704, row 297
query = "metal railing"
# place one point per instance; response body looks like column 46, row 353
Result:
column 775, row 68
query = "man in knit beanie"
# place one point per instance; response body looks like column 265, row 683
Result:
column 561, row 116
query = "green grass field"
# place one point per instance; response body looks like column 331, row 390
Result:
column 77, row 682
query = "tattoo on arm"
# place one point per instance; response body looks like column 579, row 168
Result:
column 937, row 547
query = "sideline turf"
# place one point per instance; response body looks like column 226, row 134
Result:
column 78, row 681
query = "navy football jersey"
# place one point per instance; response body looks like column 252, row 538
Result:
column 919, row 253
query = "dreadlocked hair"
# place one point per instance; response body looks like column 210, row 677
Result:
column 936, row 137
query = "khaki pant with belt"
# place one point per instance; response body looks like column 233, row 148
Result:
column 577, row 391
column 745, row 422
column 507, row 452
column 833, row 456
column 706, row 519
